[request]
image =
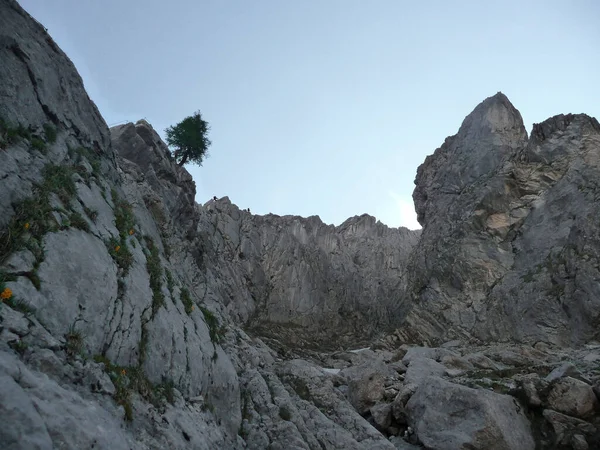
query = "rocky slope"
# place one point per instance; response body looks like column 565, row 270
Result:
column 510, row 246
column 298, row 279
column 134, row 318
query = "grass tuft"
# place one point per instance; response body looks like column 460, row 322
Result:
column 120, row 254
column 216, row 332
column 50, row 133
column 188, row 304
column 79, row 222
column 155, row 271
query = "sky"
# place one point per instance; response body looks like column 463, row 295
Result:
column 326, row 107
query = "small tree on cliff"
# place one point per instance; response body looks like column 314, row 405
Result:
column 189, row 138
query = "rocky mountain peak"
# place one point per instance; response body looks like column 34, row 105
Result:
column 496, row 115
column 491, row 133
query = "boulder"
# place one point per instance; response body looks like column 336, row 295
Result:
column 420, row 368
column 564, row 370
column 382, row 415
column 450, row 416
column 573, row 397
column 568, row 430
column 366, row 390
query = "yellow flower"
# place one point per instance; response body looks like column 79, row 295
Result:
column 117, row 248
column 123, row 372
column 6, row 294
column 192, row 307
column 26, row 226
column 131, row 232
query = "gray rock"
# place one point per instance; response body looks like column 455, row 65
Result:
column 401, row 444
column 481, row 361
column 565, row 370
column 456, row 362
column 97, row 380
column 579, row 442
column 567, row 427
column 14, row 321
column 419, row 369
column 22, row 261
column 46, row 361
column 26, row 430
column 366, row 389
column 450, row 416
column 514, row 212
column 532, row 385
column 517, row 213
column 572, row 397
column 382, row 415
column 437, row 354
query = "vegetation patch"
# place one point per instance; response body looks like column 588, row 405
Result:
column 19, row 346
column 131, row 379
column 8, row 297
column 119, row 252
column 33, row 217
column 74, row 342
column 50, row 133
column 125, row 223
column 11, row 135
column 79, row 222
column 216, row 332
column 188, row 304
column 170, row 281
column 93, row 159
column 38, row 144
column 159, row 216
column 155, row 271
column 124, row 217
column 59, row 180
column 91, row 213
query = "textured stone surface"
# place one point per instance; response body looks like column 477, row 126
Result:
column 573, row 397
column 509, row 247
column 39, row 86
column 230, row 330
column 450, row 416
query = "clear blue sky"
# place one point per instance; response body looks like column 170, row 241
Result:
column 326, row 107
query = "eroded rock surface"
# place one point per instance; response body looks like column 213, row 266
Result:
column 510, row 244
column 134, row 318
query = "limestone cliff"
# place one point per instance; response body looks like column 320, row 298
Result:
column 509, row 248
column 134, row 318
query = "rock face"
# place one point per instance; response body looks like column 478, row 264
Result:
column 134, row 318
column 449, row 416
column 509, row 247
column 306, row 282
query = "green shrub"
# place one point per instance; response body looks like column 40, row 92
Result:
column 91, row 213
column 170, row 281
column 50, row 133
column 59, row 180
column 155, row 271
column 124, row 217
column 38, row 144
column 18, row 346
column 11, row 135
column 216, row 332
column 120, row 254
column 188, row 304
column 128, row 380
column 74, row 345
column 79, row 222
